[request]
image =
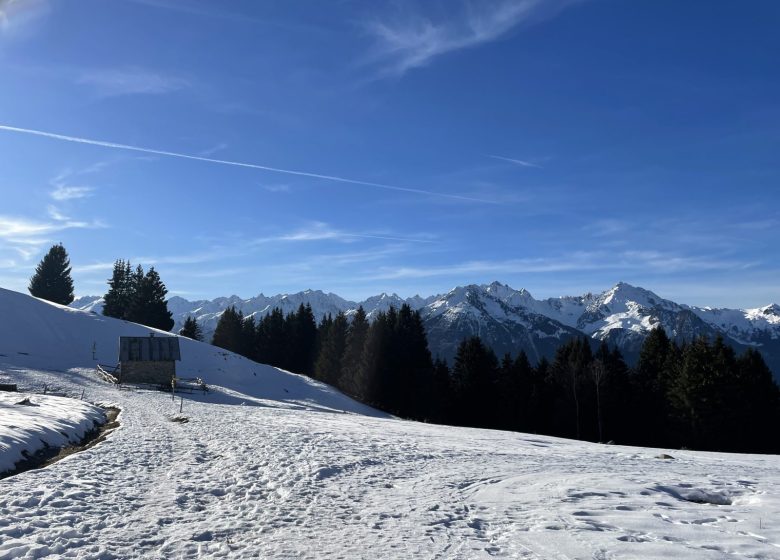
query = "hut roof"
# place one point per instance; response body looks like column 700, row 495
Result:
column 149, row 348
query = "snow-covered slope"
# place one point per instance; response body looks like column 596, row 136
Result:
column 273, row 482
column 289, row 475
column 37, row 334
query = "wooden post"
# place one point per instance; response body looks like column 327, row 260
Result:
column 181, row 405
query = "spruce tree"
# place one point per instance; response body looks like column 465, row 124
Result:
column 351, row 362
column 229, row 332
column 328, row 365
column 149, row 306
column 116, row 302
column 475, row 376
column 191, row 329
column 52, row 280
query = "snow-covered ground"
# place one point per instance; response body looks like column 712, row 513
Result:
column 309, row 475
column 29, row 423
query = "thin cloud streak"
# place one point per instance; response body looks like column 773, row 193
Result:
column 113, row 82
column 645, row 261
column 333, row 178
column 520, row 162
column 418, row 40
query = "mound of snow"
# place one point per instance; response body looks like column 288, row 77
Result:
column 36, row 334
column 30, row 423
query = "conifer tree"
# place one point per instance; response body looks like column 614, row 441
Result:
column 353, row 351
column 52, row 280
column 328, row 365
column 191, row 329
column 149, row 306
column 475, row 376
column 229, row 331
column 116, row 302
column 272, row 339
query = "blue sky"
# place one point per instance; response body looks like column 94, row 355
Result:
column 406, row 147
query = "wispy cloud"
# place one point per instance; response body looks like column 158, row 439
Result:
column 214, row 149
column 17, row 13
column 641, row 261
column 520, row 162
column 26, row 236
column 64, row 192
column 113, row 82
column 94, row 267
column 180, row 155
column 319, row 231
column 414, row 39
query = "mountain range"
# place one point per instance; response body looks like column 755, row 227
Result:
column 511, row 320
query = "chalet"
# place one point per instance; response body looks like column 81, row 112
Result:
column 148, row 359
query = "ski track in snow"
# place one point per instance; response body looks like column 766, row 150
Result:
column 274, row 482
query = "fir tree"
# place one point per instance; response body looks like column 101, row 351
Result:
column 149, row 306
column 328, row 365
column 229, row 332
column 52, row 280
column 191, row 329
column 117, row 300
column 353, row 351
column 474, row 377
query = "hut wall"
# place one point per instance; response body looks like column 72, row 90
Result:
column 148, row 372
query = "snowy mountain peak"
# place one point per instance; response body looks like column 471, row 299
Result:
column 623, row 293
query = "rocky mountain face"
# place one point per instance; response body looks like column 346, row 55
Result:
column 511, row 320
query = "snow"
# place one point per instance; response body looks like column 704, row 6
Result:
column 39, row 335
column 29, row 423
column 250, row 475
column 623, row 306
column 252, row 481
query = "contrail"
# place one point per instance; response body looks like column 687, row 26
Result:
column 517, row 161
column 116, row 146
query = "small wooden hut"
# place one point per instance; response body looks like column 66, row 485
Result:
column 148, row 359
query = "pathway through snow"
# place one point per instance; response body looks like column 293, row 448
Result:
column 280, row 481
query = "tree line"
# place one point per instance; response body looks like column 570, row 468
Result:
column 700, row 395
column 133, row 295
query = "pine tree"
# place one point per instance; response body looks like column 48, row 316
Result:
column 229, row 332
column 116, row 302
column 475, row 378
column 191, row 329
column 149, row 306
column 328, row 364
column 351, row 361
column 136, row 311
column 272, row 339
column 52, row 280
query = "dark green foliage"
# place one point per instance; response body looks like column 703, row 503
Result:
column 117, row 300
column 475, row 384
column 569, row 371
column 700, row 396
column 137, row 297
column 191, row 329
column 52, row 280
column 149, row 306
column 229, row 333
column 353, row 353
column 334, row 341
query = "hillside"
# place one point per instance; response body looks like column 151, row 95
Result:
column 270, row 466
column 35, row 334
